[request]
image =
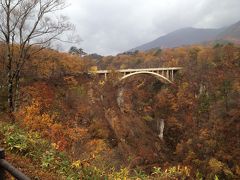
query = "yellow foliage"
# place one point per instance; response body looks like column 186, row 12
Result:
column 215, row 165
column 218, row 166
column 93, row 69
column 35, row 120
column 76, row 164
column 45, row 123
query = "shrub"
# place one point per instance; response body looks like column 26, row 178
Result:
column 31, row 145
column 179, row 172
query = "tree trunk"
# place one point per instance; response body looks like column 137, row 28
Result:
column 16, row 99
column 10, row 94
column 226, row 102
column 10, row 84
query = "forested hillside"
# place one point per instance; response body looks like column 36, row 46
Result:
column 190, row 36
column 69, row 123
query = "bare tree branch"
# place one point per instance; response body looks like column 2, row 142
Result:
column 27, row 27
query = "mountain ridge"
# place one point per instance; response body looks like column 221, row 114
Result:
column 191, row 35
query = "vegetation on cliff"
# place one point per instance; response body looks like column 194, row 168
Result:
column 69, row 124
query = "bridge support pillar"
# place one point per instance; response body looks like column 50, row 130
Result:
column 168, row 74
column 162, row 73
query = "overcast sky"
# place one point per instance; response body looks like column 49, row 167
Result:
column 108, row 27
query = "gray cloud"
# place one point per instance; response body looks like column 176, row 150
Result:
column 113, row 26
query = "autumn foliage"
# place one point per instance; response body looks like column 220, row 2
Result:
column 79, row 113
column 38, row 115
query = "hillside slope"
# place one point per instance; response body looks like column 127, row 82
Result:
column 83, row 126
column 189, row 36
column 231, row 33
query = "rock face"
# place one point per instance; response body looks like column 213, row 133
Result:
column 129, row 139
column 135, row 139
column 137, row 142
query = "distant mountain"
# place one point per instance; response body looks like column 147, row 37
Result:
column 231, row 33
column 188, row 36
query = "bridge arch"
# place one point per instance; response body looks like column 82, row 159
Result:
column 158, row 76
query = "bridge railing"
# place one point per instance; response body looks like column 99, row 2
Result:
column 6, row 166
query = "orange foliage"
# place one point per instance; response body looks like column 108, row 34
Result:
column 38, row 116
column 40, row 92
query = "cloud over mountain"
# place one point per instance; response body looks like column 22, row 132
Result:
column 113, row 26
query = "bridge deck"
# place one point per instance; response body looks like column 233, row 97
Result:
column 138, row 70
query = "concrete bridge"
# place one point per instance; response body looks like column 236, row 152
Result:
column 163, row 74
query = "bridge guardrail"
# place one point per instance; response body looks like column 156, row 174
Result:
column 6, row 166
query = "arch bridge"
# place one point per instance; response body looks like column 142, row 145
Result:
column 163, row 74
